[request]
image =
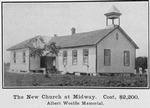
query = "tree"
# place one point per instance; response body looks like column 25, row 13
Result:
column 141, row 62
column 39, row 48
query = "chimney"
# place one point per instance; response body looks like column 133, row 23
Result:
column 55, row 35
column 73, row 30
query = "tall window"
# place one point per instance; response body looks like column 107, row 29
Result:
column 107, row 55
column 14, row 57
column 85, row 56
column 24, row 57
column 126, row 58
column 74, row 57
column 64, row 57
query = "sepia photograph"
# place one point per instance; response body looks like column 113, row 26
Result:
column 75, row 44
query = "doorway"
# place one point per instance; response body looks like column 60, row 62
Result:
column 48, row 63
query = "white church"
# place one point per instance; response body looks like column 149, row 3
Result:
column 104, row 51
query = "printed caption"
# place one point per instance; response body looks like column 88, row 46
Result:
column 76, row 99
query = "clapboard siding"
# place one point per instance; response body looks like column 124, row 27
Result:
column 117, row 48
column 80, row 67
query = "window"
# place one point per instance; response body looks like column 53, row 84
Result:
column 107, row 56
column 117, row 36
column 85, row 56
column 74, row 57
column 64, row 57
column 14, row 57
column 24, row 57
column 126, row 58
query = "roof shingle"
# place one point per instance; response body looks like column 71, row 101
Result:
column 77, row 39
column 25, row 43
column 81, row 39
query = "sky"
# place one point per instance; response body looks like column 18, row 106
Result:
column 22, row 21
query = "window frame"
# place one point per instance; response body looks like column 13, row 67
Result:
column 107, row 64
column 74, row 57
column 14, row 57
column 117, row 36
column 65, row 57
column 125, row 59
column 24, row 57
column 85, row 57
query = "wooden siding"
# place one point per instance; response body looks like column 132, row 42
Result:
column 19, row 65
column 30, row 64
column 117, row 48
column 79, row 67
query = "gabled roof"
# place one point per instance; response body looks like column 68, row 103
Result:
column 26, row 43
column 81, row 39
column 87, row 38
column 91, row 38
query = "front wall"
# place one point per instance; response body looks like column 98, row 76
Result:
column 79, row 67
column 19, row 65
column 117, row 48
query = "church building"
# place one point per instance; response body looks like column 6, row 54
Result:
column 105, row 51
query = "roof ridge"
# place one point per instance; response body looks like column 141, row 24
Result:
column 79, row 33
column 78, row 39
column 82, row 39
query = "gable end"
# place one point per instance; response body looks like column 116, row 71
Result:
column 132, row 42
column 125, row 34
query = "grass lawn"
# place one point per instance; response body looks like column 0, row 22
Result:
column 14, row 79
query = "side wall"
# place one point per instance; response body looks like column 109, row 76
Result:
column 117, row 48
column 80, row 67
column 19, row 65
column 34, row 63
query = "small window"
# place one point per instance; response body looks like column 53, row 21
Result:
column 107, row 56
column 126, row 58
column 74, row 57
column 24, row 57
column 64, row 57
column 85, row 56
column 117, row 36
column 14, row 57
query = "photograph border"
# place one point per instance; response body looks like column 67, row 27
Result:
column 68, row 87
